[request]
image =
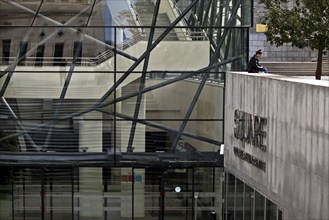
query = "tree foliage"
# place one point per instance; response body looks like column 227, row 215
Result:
column 303, row 23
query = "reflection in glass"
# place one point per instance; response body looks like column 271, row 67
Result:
column 248, row 202
column 280, row 215
column 259, row 206
column 178, row 204
column 74, row 109
column 39, row 55
column 204, row 186
column 6, row 191
column 22, row 53
column 271, row 210
column 5, row 51
column 230, row 197
column 239, row 200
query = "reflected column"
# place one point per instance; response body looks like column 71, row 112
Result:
column 91, row 179
column 132, row 180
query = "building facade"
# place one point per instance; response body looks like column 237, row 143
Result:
column 271, row 53
column 276, row 147
column 114, row 109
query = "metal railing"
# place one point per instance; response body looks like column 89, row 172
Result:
column 121, row 46
column 194, row 35
column 47, row 61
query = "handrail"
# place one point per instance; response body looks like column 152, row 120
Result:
column 121, row 46
column 135, row 14
column 177, row 9
column 49, row 61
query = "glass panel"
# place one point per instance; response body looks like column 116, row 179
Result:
column 197, row 143
column 204, row 186
column 280, row 215
column 29, row 198
column 88, row 106
column 5, row 51
column 157, row 140
column 248, row 202
column 230, row 197
column 6, row 192
column 259, row 206
column 139, row 194
column 169, row 102
column 222, row 11
column 219, row 191
column 89, row 198
column 16, row 14
column 70, row 13
column 117, row 193
column 39, row 55
column 206, row 119
column 58, row 193
column 239, row 200
column 271, row 210
column 178, row 200
column 153, row 193
column 22, row 53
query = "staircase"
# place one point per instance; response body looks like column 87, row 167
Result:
column 145, row 10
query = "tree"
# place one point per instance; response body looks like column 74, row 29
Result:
column 303, row 23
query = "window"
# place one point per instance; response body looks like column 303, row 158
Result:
column 230, row 197
column 58, row 54
column 5, row 51
column 280, row 215
column 248, row 202
column 259, row 206
column 22, row 53
column 239, row 199
column 77, row 50
column 39, row 55
column 271, row 210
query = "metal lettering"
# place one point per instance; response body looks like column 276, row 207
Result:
column 250, row 159
column 250, row 129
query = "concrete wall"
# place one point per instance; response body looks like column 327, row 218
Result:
column 297, row 139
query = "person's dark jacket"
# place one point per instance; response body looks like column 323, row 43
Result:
column 253, row 65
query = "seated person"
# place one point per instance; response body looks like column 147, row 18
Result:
column 254, row 66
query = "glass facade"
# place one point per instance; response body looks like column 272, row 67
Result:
column 121, row 193
column 242, row 202
column 114, row 109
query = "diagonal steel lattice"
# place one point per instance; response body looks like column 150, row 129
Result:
column 221, row 19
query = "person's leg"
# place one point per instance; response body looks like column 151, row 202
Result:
column 265, row 70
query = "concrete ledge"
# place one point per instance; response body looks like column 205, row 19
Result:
column 298, row 79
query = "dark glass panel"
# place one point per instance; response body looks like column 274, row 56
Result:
column 239, row 200
column 259, row 206
column 39, row 55
column 271, row 210
column 22, row 53
column 248, row 202
column 5, row 51
column 230, row 197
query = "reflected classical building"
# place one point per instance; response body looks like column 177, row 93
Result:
column 107, row 107
column 115, row 110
